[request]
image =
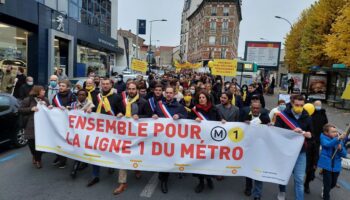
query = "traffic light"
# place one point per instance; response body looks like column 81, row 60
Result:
column 141, row 26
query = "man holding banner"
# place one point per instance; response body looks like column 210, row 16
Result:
column 135, row 107
column 168, row 108
column 298, row 120
column 109, row 103
column 255, row 116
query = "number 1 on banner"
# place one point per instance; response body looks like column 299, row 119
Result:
column 236, row 134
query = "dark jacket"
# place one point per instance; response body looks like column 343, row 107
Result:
column 248, row 99
column 144, row 109
column 94, row 94
column 319, row 119
column 212, row 114
column 66, row 99
column 21, row 80
column 231, row 115
column 329, row 147
column 24, row 91
column 28, row 115
column 173, row 107
column 246, row 110
column 246, row 116
column 115, row 100
column 120, row 86
column 239, row 101
column 304, row 122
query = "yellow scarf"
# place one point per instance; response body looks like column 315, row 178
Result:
column 244, row 95
column 128, row 105
column 89, row 90
column 105, row 103
column 233, row 102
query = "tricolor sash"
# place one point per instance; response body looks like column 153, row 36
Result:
column 74, row 106
column 292, row 124
column 99, row 98
column 57, row 101
column 164, row 110
column 199, row 114
column 152, row 103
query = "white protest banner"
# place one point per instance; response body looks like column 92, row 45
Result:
column 232, row 149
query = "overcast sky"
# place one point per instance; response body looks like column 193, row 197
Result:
column 258, row 19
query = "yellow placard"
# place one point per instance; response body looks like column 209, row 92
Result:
column 346, row 93
column 139, row 65
column 224, row 67
column 187, row 65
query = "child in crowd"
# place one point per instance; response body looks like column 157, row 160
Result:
column 333, row 150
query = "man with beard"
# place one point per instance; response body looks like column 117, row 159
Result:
column 168, row 108
column 227, row 111
column 135, row 107
column 157, row 96
column 256, row 115
column 109, row 103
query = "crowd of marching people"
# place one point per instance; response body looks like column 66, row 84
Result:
column 198, row 97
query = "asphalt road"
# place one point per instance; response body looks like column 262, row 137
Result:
column 19, row 179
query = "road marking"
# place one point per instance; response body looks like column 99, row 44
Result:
column 345, row 184
column 9, row 157
column 150, row 187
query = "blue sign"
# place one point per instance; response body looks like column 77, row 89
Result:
column 141, row 26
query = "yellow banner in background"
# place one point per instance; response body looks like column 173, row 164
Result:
column 224, row 67
column 346, row 93
column 187, row 65
column 139, row 65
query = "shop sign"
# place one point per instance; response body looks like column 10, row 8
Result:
column 339, row 66
column 106, row 42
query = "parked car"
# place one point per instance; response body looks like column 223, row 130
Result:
column 12, row 131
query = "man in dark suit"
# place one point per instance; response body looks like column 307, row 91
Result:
column 256, row 115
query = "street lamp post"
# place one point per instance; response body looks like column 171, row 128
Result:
column 150, row 41
column 279, row 17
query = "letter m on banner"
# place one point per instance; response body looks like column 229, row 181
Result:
column 141, row 27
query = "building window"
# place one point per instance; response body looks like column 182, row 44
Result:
column 213, row 11
column 223, row 53
column 224, row 40
column 13, row 48
column 226, row 11
column 74, row 10
column 225, row 25
column 212, row 40
column 62, row 6
column 213, row 25
column 92, row 60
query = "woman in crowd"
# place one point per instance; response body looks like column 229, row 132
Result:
column 28, row 108
column 204, row 111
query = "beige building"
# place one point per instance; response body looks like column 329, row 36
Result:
column 213, row 30
column 164, row 56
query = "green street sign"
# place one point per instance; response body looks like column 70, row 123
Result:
column 339, row 66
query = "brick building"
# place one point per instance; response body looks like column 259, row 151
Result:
column 214, row 30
